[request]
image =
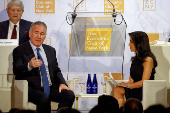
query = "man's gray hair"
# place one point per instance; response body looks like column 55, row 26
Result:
column 17, row 2
column 42, row 24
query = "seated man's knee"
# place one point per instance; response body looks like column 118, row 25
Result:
column 71, row 95
column 45, row 99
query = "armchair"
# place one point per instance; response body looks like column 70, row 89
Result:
column 154, row 92
column 21, row 95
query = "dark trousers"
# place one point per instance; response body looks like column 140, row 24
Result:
column 38, row 97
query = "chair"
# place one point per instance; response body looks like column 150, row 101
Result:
column 154, row 92
column 5, row 92
column 6, row 77
column 21, row 95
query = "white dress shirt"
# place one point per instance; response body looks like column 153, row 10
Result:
column 43, row 55
column 10, row 29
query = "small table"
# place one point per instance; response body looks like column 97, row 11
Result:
column 85, row 95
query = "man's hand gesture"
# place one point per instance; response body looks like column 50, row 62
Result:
column 34, row 63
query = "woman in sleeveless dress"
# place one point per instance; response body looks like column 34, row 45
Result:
column 142, row 68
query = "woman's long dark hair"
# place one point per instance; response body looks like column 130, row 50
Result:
column 141, row 42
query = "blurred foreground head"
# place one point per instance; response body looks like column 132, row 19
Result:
column 109, row 103
column 132, row 105
column 67, row 110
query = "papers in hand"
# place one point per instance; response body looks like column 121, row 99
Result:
column 114, row 81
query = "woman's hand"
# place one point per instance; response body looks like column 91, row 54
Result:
column 123, row 84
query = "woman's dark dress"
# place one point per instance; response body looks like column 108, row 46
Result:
column 136, row 72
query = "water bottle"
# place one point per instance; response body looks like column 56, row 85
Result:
column 89, row 85
column 94, row 85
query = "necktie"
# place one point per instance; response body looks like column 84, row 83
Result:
column 14, row 33
column 44, row 75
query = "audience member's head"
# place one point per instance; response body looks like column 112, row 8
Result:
column 14, row 110
column 121, row 109
column 168, row 109
column 67, row 110
column 132, row 105
column 109, row 103
column 17, row 110
column 27, row 111
column 98, row 109
column 156, row 109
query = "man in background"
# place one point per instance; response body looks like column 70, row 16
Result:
column 15, row 28
column 37, row 63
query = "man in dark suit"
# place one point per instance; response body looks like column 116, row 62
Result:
column 26, row 66
column 15, row 9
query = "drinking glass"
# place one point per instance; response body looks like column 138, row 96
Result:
column 103, row 81
column 166, row 33
column 81, row 81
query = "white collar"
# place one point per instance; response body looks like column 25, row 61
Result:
column 34, row 47
column 12, row 25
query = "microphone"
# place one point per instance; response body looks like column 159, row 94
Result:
column 73, row 17
column 114, row 15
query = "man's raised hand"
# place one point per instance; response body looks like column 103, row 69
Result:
column 34, row 63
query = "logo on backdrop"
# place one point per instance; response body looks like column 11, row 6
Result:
column 149, row 5
column 119, row 6
column 44, row 6
column 98, row 39
column 5, row 3
column 47, row 41
column 77, row 86
column 81, row 7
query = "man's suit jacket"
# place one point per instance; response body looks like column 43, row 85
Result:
column 23, row 54
column 24, row 27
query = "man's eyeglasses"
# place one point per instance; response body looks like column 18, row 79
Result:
column 41, row 34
